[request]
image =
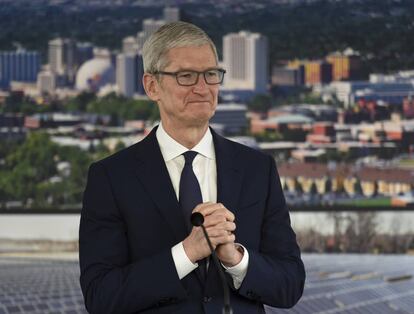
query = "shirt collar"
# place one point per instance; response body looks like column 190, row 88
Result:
column 170, row 148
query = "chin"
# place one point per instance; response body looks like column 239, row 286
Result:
column 199, row 119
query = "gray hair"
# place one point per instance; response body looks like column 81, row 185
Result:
column 172, row 35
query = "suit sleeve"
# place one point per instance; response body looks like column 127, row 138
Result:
column 110, row 282
column 275, row 274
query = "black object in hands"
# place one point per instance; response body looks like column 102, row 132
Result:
column 197, row 220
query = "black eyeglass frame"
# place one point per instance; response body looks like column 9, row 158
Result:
column 223, row 71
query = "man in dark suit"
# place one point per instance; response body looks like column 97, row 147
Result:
column 138, row 252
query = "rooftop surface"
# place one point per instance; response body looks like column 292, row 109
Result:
column 335, row 284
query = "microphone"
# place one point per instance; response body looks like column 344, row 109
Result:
column 197, row 220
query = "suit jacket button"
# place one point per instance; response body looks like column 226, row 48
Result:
column 207, row 299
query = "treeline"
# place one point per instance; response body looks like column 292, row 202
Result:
column 357, row 232
column 117, row 107
column 381, row 30
column 40, row 174
column 29, row 172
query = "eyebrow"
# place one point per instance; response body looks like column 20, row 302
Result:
column 189, row 69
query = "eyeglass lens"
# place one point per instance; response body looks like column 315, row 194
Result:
column 191, row 77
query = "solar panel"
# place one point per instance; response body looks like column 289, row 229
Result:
column 335, row 284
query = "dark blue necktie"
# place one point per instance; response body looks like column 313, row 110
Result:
column 190, row 193
column 190, row 196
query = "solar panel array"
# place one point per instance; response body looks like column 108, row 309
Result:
column 335, row 284
column 39, row 287
column 380, row 284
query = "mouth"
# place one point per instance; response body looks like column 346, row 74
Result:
column 198, row 102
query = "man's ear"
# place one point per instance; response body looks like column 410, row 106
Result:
column 151, row 86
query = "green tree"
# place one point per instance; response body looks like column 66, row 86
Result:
column 80, row 102
column 260, row 103
column 269, row 136
column 31, row 163
column 119, row 145
column 122, row 108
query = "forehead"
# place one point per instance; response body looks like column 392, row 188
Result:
column 192, row 57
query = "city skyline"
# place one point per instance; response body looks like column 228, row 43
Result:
column 324, row 87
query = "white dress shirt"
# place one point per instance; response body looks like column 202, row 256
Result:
column 204, row 167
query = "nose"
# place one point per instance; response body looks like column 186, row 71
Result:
column 201, row 86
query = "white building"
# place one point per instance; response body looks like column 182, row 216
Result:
column 62, row 57
column 171, row 14
column 95, row 74
column 389, row 92
column 399, row 77
column 130, row 45
column 245, row 57
column 126, row 74
column 149, row 26
column 56, row 55
column 46, row 82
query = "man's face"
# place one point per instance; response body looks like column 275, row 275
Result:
column 187, row 106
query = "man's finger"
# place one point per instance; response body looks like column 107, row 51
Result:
column 217, row 208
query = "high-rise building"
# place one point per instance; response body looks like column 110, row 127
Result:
column 130, row 45
column 129, row 71
column 345, row 66
column 62, row 57
column 149, row 26
column 19, row 65
column 318, row 72
column 171, row 14
column 46, row 82
column 245, row 57
column 126, row 74
column 283, row 76
column 56, row 59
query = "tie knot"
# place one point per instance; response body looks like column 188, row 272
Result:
column 189, row 157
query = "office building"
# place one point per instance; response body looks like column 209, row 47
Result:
column 245, row 57
column 392, row 93
column 126, row 74
column 318, row 72
column 20, row 65
column 61, row 55
column 232, row 117
column 46, row 82
column 149, row 26
column 171, row 14
column 288, row 77
column 345, row 66
column 130, row 45
column 62, row 58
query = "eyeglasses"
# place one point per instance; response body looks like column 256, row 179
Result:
column 189, row 77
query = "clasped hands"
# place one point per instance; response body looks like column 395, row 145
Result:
column 220, row 225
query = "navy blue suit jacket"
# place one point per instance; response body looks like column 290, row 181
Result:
column 131, row 218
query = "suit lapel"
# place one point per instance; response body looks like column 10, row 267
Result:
column 153, row 174
column 229, row 182
column 229, row 172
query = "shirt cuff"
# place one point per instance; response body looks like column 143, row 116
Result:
column 239, row 271
column 183, row 265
